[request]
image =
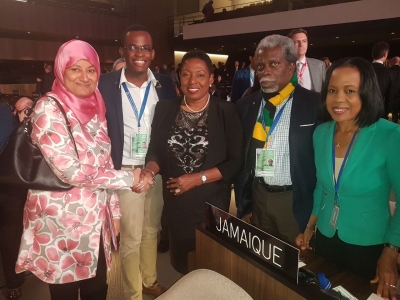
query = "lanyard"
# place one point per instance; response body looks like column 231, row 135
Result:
column 300, row 74
column 146, row 95
column 276, row 119
column 336, row 181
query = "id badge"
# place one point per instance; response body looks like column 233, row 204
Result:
column 265, row 162
column 139, row 145
column 335, row 215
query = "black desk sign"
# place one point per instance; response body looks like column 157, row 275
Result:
column 254, row 242
column 15, row 92
column 35, row 95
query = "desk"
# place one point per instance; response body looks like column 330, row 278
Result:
column 262, row 281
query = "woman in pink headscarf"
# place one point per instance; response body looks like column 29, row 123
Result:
column 66, row 238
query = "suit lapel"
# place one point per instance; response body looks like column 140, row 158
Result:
column 116, row 92
column 361, row 145
column 158, row 89
column 251, row 115
column 311, row 68
column 213, row 123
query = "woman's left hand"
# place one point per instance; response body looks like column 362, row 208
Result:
column 184, row 183
column 386, row 274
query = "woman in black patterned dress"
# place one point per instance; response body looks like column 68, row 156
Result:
column 197, row 147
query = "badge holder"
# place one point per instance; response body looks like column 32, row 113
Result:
column 265, row 162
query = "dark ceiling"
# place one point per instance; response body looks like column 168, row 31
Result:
column 334, row 41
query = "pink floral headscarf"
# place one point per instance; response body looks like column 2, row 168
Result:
column 84, row 108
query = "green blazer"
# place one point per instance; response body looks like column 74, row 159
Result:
column 372, row 169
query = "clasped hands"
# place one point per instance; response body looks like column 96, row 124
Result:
column 143, row 179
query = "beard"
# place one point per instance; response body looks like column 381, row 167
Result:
column 268, row 89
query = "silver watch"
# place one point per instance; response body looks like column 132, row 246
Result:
column 203, row 177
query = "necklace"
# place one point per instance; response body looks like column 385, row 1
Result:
column 196, row 111
column 338, row 145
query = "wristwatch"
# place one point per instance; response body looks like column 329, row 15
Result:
column 203, row 177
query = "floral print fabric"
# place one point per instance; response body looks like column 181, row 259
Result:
column 61, row 237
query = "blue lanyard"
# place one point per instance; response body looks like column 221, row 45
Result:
column 336, row 181
column 276, row 119
column 146, row 95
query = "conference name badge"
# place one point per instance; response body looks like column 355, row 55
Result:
column 265, row 162
column 139, row 145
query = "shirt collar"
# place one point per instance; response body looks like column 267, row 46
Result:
column 150, row 78
column 378, row 61
column 303, row 61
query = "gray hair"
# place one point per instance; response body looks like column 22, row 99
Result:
column 288, row 49
column 118, row 61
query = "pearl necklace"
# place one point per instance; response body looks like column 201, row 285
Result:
column 195, row 111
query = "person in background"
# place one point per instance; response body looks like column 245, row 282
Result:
column 213, row 90
column 197, row 148
column 118, row 64
column 45, row 82
column 67, row 234
column 126, row 93
column 208, row 11
column 244, row 78
column 23, row 108
column 11, row 207
column 380, row 52
column 326, row 61
column 359, row 150
column 310, row 72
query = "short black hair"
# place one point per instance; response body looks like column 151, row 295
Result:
column 296, row 31
column 370, row 95
column 134, row 27
column 379, row 50
column 199, row 54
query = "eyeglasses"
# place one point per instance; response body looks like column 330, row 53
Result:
column 27, row 111
column 134, row 48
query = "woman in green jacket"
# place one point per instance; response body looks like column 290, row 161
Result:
column 357, row 161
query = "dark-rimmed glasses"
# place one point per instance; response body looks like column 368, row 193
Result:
column 134, row 48
column 27, row 111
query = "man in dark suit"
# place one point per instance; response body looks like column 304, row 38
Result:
column 310, row 72
column 380, row 53
column 243, row 79
column 285, row 114
column 131, row 95
column 395, row 89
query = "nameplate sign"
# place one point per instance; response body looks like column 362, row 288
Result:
column 253, row 242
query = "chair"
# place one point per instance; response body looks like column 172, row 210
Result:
column 205, row 284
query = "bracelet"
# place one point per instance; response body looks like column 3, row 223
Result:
column 154, row 175
column 311, row 226
column 393, row 247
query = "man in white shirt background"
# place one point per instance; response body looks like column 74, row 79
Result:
column 310, row 71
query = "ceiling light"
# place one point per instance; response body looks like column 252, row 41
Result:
column 116, row 40
column 337, row 37
column 311, row 44
column 28, row 32
column 353, row 41
column 77, row 37
column 392, row 33
column 21, row 0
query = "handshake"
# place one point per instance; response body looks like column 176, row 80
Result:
column 143, row 179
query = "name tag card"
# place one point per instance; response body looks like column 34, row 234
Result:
column 139, row 144
column 253, row 242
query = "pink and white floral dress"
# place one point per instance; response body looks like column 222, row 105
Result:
column 61, row 237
